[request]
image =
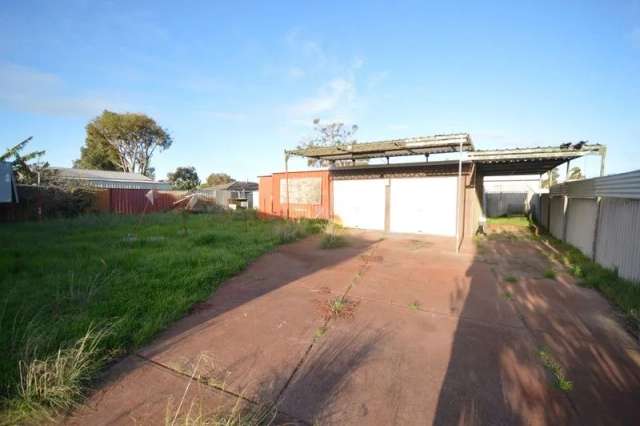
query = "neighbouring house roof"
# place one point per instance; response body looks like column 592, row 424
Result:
column 109, row 178
column 423, row 145
column 236, row 186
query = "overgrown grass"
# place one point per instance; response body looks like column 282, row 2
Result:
column 509, row 220
column 332, row 237
column 556, row 370
column 61, row 277
column 624, row 294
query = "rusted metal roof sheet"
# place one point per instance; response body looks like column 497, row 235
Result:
column 424, row 145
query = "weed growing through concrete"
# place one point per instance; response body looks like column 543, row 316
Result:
column 415, row 305
column 321, row 331
column 555, row 369
column 340, row 307
column 507, row 295
column 243, row 413
column 333, row 237
column 550, row 274
column 511, row 279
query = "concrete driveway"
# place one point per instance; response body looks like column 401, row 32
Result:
column 434, row 337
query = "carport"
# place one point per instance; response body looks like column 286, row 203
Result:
column 428, row 197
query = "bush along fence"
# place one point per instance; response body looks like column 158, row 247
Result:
column 45, row 202
column 600, row 217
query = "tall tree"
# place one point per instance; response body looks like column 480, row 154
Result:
column 184, row 178
column 551, row 179
column 125, row 142
column 26, row 168
column 327, row 135
column 575, row 174
column 218, row 179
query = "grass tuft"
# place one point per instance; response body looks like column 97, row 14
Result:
column 550, row 274
column 415, row 305
column 340, row 307
column 507, row 295
column 57, row 382
column 511, row 279
column 555, row 369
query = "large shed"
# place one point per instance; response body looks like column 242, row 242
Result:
column 430, row 197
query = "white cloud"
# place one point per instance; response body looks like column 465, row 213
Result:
column 30, row 90
column 336, row 99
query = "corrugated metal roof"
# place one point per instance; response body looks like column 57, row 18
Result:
column 389, row 148
column 71, row 173
column 536, row 153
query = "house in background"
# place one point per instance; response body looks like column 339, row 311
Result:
column 231, row 195
column 109, row 179
column 8, row 189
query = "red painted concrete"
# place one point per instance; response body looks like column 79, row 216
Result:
column 465, row 353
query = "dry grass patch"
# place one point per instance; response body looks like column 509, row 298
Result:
column 339, row 307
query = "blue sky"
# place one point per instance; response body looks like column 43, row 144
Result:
column 238, row 82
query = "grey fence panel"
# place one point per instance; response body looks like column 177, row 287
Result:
column 581, row 217
column 543, row 218
column 556, row 217
column 618, row 238
column 505, row 203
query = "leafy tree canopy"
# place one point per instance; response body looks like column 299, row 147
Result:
column 124, row 142
column 576, row 174
column 184, row 178
column 327, row 134
column 218, row 179
column 26, row 167
column 551, row 178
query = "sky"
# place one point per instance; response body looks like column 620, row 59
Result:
column 236, row 83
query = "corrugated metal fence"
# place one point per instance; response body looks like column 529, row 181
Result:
column 37, row 203
column 601, row 217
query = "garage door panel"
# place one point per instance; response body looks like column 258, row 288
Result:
column 359, row 203
column 424, row 205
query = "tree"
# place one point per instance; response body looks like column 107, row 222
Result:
column 575, row 174
column 123, row 142
column 328, row 135
column 25, row 169
column 184, row 178
column 551, row 179
column 218, row 179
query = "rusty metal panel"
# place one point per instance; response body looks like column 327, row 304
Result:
column 273, row 202
column 556, row 217
column 581, row 219
column 618, row 236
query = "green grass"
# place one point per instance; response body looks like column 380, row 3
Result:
column 509, row 220
column 507, row 295
column 622, row 293
column 60, row 278
column 511, row 279
column 550, row 274
column 415, row 305
column 555, row 369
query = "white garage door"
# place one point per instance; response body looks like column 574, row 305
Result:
column 359, row 203
column 424, row 205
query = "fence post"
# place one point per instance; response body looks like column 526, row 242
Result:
column 595, row 230
column 565, row 216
